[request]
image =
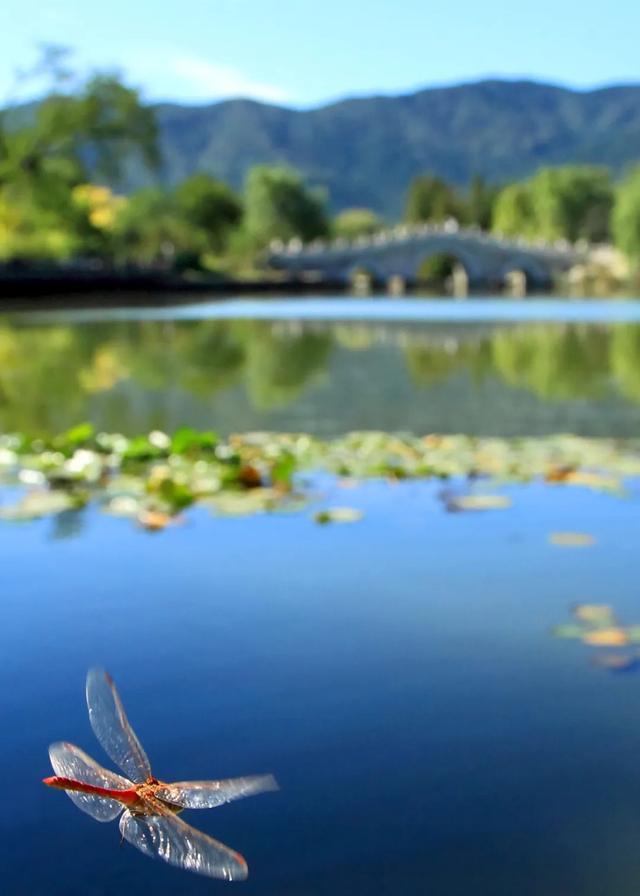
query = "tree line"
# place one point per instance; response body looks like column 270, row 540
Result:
column 57, row 157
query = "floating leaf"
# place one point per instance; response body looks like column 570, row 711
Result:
column 123, row 505
column 567, row 631
column 593, row 480
column 572, row 539
column 596, row 614
column 190, row 441
column 606, row 637
column 154, row 520
column 37, row 504
column 480, row 502
column 338, row 515
column 283, row 469
column 249, row 476
column 243, row 503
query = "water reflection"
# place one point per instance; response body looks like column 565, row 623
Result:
column 244, row 374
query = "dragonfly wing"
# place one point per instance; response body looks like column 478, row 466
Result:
column 209, row 794
column 69, row 761
column 167, row 837
column 111, row 726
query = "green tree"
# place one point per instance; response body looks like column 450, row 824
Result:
column 513, row 211
column 210, row 208
column 354, row 222
column 569, row 202
column 572, row 202
column 79, row 131
column 431, row 199
column 149, row 231
column 480, row 202
column 278, row 205
column 626, row 216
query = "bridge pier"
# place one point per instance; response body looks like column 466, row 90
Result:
column 396, row 285
column 460, row 282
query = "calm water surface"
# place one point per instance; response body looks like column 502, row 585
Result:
column 397, row 675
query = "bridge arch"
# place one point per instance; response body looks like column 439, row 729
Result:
column 362, row 274
column 447, row 265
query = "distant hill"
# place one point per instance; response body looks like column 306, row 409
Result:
column 365, row 151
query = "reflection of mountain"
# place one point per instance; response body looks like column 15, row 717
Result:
column 247, row 374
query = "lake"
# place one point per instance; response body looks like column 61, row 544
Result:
column 400, row 676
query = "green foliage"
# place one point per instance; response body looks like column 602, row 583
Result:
column 148, row 231
column 571, row 202
column 190, row 441
column 210, row 208
column 626, row 216
column 480, row 202
column 354, row 222
column 278, row 205
column 513, row 211
column 431, row 199
column 153, row 493
column 91, row 128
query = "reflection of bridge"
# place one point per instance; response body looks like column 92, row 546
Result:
column 485, row 259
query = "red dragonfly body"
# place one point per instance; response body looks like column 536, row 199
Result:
column 149, row 820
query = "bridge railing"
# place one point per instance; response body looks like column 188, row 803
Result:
column 408, row 233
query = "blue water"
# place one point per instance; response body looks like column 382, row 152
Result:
column 397, row 675
column 375, row 309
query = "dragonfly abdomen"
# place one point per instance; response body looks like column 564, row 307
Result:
column 128, row 797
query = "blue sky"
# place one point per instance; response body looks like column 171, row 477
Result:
column 302, row 53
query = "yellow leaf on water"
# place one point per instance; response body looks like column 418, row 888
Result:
column 572, row 539
column 154, row 520
column 592, row 480
column 606, row 637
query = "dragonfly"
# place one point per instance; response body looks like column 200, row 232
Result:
column 149, row 807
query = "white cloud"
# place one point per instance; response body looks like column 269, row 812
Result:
column 206, row 80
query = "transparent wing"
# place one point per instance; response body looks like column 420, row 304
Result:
column 167, row 837
column 111, row 727
column 69, row 761
column 209, row 794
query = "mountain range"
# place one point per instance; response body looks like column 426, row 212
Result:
column 365, row 151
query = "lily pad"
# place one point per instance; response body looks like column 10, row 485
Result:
column 338, row 515
column 600, row 615
column 37, row 504
column 572, row 539
column 480, row 502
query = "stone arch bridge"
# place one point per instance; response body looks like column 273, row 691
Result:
column 485, row 259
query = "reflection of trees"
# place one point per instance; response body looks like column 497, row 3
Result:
column 52, row 377
column 625, row 359
column 278, row 366
column 47, row 374
column 39, row 388
column 432, row 364
column 553, row 362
